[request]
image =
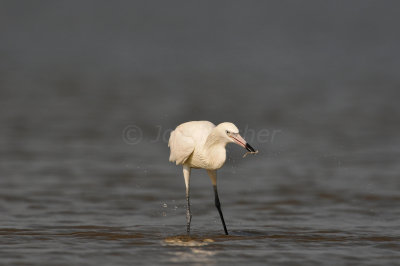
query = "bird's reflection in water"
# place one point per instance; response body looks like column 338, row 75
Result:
column 194, row 252
column 187, row 241
column 194, row 255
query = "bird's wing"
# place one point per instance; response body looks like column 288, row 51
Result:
column 181, row 146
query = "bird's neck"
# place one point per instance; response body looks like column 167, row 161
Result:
column 213, row 140
column 214, row 150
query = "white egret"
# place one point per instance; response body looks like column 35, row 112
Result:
column 201, row 144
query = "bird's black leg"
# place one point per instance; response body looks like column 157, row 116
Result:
column 218, row 205
column 188, row 214
column 186, row 175
column 213, row 176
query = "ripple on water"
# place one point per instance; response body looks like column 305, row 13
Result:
column 188, row 241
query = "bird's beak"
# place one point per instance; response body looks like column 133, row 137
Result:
column 240, row 141
column 249, row 148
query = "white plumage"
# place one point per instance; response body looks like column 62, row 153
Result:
column 187, row 138
column 201, row 144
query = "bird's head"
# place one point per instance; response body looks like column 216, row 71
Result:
column 230, row 133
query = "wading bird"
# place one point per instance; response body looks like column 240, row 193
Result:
column 201, row 144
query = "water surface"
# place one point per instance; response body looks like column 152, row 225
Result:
column 89, row 94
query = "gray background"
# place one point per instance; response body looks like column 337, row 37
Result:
column 76, row 76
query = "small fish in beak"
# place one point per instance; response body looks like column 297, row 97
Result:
column 240, row 141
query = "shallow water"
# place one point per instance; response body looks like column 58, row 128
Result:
column 88, row 98
column 281, row 211
column 104, row 245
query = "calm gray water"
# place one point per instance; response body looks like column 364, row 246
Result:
column 90, row 91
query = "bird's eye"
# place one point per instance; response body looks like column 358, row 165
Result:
column 227, row 131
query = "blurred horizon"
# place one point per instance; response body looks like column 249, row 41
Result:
column 322, row 74
column 89, row 91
